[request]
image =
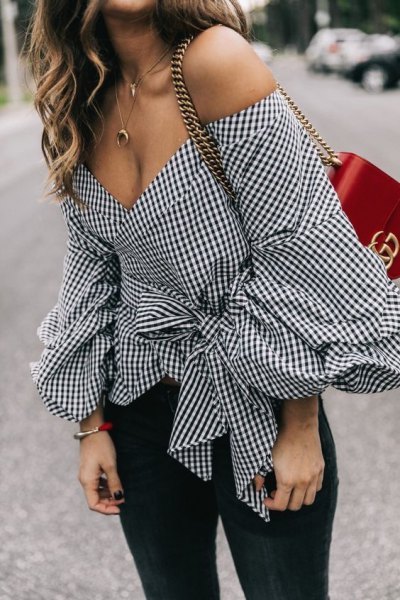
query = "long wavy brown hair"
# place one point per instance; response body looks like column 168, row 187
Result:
column 71, row 60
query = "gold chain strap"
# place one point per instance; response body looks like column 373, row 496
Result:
column 205, row 142
column 330, row 159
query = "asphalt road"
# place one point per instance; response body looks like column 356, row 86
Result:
column 52, row 547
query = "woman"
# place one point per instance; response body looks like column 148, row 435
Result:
column 204, row 330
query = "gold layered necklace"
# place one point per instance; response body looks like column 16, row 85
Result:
column 122, row 137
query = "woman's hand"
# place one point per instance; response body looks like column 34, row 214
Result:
column 297, row 457
column 98, row 467
column 98, row 474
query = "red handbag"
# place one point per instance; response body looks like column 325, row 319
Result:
column 371, row 200
column 369, row 196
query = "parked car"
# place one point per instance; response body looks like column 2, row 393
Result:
column 357, row 52
column 263, row 51
column 379, row 42
column 326, row 49
column 378, row 71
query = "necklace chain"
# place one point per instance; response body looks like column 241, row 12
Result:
column 123, row 135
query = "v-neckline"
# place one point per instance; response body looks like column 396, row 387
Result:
column 210, row 125
column 147, row 189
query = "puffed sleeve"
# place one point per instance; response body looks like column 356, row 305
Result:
column 317, row 307
column 77, row 362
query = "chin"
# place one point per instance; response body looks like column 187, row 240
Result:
column 127, row 8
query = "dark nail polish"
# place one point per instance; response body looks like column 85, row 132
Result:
column 118, row 495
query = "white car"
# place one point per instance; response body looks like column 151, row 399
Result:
column 357, row 52
column 327, row 49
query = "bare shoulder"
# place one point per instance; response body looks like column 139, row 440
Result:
column 224, row 74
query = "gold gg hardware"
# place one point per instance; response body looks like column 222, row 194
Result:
column 385, row 252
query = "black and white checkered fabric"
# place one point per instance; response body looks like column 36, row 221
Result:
column 247, row 305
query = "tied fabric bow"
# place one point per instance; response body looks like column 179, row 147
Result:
column 213, row 398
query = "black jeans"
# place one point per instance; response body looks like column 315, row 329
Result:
column 170, row 515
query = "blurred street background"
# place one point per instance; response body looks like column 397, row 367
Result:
column 338, row 60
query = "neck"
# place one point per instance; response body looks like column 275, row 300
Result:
column 136, row 43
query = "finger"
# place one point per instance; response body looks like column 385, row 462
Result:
column 94, row 501
column 297, row 498
column 104, row 490
column 105, row 495
column 280, row 499
column 114, row 483
column 310, row 494
column 109, row 502
column 258, row 482
column 105, row 508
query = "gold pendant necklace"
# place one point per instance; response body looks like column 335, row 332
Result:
column 122, row 137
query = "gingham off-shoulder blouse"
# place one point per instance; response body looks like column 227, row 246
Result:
column 246, row 304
